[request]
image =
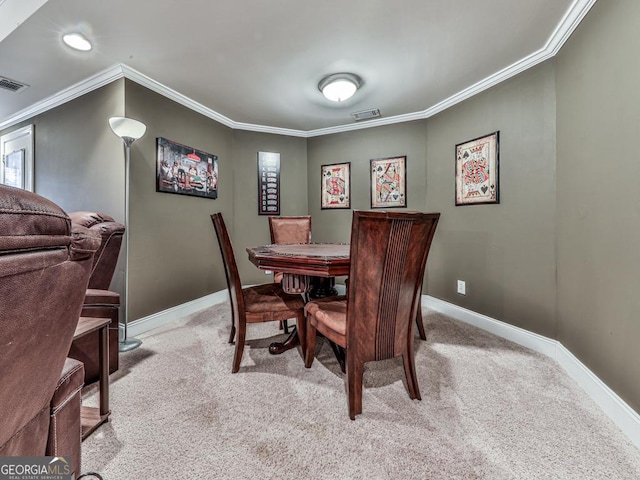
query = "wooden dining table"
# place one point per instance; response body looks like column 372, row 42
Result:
column 308, row 269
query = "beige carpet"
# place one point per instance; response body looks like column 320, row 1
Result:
column 490, row 409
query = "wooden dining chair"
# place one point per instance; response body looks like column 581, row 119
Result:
column 287, row 230
column 374, row 320
column 259, row 303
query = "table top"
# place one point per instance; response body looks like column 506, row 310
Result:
column 89, row 324
column 315, row 259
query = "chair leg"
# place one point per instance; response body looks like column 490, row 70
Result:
column 355, row 369
column 310, row 345
column 301, row 325
column 237, row 356
column 419, row 323
column 410, row 373
column 232, row 334
column 284, row 325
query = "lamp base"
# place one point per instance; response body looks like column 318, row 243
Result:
column 129, row 344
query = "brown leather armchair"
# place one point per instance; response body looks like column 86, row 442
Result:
column 44, row 270
column 99, row 300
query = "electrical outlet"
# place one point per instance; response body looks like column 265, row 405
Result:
column 462, row 287
column 268, row 272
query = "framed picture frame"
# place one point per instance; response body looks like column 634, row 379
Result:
column 185, row 170
column 388, row 182
column 268, row 183
column 477, row 170
column 335, row 186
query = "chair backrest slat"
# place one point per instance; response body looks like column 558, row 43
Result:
column 230, row 267
column 388, row 255
column 394, row 261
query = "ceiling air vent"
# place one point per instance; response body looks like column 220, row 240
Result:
column 12, row 85
column 366, row 115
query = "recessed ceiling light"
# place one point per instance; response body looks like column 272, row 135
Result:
column 77, row 41
column 338, row 87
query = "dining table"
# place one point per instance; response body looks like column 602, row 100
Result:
column 308, row 269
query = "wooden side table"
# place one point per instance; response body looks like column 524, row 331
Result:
column 91, row 417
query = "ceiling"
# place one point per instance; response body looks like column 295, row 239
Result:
column 256, row 64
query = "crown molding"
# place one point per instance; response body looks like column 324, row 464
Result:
column 151, row 84
column 563, row 31
column 63, row 96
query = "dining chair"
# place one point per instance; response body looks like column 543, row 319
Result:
column 259, row 303
column 289, row 229
column 374, row 320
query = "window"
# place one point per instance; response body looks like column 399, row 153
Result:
column 16, row 150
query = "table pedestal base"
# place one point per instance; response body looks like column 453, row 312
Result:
column 292, row 341
column 317, row 287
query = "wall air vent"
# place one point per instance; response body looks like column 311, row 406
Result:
column 366, row 115
column 12, row 85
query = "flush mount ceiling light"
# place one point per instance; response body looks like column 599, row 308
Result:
column 77, row 41
column 339, row 86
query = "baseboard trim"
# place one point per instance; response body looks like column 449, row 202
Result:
column 518, row 335
column 613, row 406
column 172, row 314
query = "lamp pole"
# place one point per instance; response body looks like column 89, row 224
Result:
column 126, row 344
column 129, row 130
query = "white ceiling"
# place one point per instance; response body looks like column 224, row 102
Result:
column 258, row 63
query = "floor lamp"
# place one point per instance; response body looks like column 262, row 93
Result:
column 129, row 131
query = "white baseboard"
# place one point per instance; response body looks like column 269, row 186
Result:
column 175, row 313
column 518, row 335
column 613, row 406
column 622, row 414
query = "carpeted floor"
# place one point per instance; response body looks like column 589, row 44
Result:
column 490, row 409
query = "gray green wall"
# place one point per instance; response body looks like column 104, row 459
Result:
column 505, row 252
column 174, row 251
column 252, row 229
column 77, row 163
column 359, row 148
column 598, row 77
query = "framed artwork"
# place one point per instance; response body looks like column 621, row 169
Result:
column 336, row 186
column 268, row 183
column 388, row 182
column 477, row 180
column 185, row 170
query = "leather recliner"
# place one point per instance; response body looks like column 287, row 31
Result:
column 99, row 300
column 45, row 264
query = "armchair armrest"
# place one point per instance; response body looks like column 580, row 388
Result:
column 101, row 298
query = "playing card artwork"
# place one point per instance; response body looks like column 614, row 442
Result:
column 388, row 182
column 336, row 185
column 477, row 171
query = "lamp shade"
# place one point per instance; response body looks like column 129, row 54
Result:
column 127, row 127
